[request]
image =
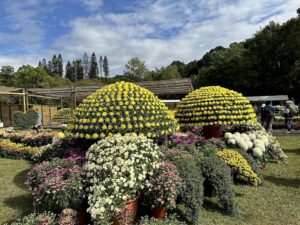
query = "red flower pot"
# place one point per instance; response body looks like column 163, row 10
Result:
column 80, row 217
column 212, row 131
column 128, row 213
column 159, row 213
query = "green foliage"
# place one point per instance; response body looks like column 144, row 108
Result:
column 164, row 73
column 45, row 218
column 218, row 180
column 105, row 67
column 135, row 69
column 25, row 120
column 191, row 196
column 266, row 64
column 62, row 116
column 165, row 221
column 30, row 77
column 7, row 76
column 93, row 72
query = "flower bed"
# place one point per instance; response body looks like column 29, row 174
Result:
column 140, row 157
column 29, row 138
column 16, row 150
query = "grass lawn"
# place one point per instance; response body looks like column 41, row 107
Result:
column 276, row 202
column 15, row 200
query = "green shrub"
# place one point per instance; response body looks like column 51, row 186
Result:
column 25, row 120
column 218, row 180
column 191, row 196
column 62, row 116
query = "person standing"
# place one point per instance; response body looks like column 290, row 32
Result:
column 38, row 125
column 288, row 117
column 262, row 114
column 269, row 115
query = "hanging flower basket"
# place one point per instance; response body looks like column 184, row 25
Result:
column 159, row 212
column 128, row 213
column 212, row 131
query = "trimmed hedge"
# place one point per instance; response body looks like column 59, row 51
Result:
column 25, row 120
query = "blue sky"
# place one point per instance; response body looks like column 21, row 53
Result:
column 157, row 31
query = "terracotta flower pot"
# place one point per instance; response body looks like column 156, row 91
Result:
column 128, row 213
column 159, row 212
column 212, row 131
column 81, row 217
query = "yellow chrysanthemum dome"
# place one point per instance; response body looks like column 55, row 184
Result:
column 121, row 107
column 214, row 105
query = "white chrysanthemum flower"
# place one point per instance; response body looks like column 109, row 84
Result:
column 257, row 152
column 242, row 144
column 250, row 144
column 231, row 141
column 228, row 135
column 245, row 137
column 252, row 136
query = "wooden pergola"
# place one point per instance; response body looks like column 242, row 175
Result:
column 73, row 93
column 160, row 88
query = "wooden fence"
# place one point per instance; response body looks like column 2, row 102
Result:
column 6, row 112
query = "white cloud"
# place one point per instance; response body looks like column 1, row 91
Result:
column 18, row 60
column 194, row 27
column 92, row 5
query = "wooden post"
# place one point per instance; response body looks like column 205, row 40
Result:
column 24, row 101
column 71, row 103
column 74, row 99
column 27, row 101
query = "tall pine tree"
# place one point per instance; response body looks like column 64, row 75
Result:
column 50, row 68
column 101, row 66
column 105, row 67
column 44, row 63
column 70, row 72
column 85, row 65
column 60, row 69
column 55, row 66
column 93, row 67
column 79, row 70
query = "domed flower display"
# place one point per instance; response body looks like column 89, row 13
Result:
column 214, row 105
column 121, row 108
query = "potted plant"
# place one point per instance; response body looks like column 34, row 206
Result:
column 56, row 185
column 164, row 189
column 117, row 168
column 213, row 107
